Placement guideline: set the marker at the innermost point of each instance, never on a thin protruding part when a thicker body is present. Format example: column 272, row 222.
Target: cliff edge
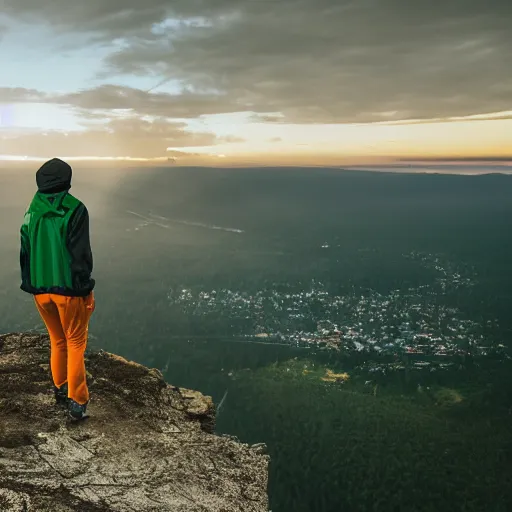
column 147, row 445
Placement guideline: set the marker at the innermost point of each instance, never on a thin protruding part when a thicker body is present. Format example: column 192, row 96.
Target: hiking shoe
column 61, row 394
column 76, row 410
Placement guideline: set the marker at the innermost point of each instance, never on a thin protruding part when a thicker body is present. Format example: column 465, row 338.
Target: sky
column 257, row 82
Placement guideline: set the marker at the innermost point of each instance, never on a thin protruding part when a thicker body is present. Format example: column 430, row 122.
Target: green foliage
column 339, row 447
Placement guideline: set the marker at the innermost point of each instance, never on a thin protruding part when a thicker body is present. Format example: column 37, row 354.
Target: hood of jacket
column 43, row 203
column 54, row 176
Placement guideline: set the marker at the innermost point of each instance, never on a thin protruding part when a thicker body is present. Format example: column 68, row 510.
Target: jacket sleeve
column 79, row 244
column 24, row 255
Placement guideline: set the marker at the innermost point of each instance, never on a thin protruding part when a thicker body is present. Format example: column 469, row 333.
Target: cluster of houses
column 415, row 320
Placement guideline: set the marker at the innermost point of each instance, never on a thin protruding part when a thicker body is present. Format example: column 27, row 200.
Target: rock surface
column 146, row 446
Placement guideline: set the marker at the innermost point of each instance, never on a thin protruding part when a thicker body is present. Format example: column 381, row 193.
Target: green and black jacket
column 56, row 254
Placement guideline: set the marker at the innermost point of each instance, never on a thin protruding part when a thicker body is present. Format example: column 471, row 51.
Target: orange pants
column 67, row 322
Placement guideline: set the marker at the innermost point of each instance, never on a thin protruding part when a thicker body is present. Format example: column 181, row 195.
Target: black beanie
column 54, row 176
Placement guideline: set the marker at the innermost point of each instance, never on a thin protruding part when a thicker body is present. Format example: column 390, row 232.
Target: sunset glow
column 169, row 93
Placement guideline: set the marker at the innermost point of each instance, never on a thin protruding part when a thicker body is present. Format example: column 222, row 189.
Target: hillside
column 147, row 445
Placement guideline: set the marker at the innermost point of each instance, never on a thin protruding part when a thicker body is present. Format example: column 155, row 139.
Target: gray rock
column 259, row 448
column 146, row 446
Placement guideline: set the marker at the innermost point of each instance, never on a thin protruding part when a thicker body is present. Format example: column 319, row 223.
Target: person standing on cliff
column 56, row 267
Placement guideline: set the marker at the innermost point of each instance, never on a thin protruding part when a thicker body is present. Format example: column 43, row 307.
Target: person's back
column 56, row 266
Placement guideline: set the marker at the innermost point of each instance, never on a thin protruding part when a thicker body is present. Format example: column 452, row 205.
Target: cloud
column 129, row 137
column 275, row 139
column 185, row 105
column 495, row 116
column 231, row 139
column 21, row 95
column 462, row 159
column 183, row 154
column 314, row 61
column 110, row 101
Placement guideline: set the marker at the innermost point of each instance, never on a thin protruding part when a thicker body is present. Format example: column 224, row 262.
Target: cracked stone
column 151, row 449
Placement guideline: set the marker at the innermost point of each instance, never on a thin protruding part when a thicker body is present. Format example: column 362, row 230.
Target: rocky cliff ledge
column 147, row 446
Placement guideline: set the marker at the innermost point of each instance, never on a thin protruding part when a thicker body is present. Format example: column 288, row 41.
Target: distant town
column 414, row 321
